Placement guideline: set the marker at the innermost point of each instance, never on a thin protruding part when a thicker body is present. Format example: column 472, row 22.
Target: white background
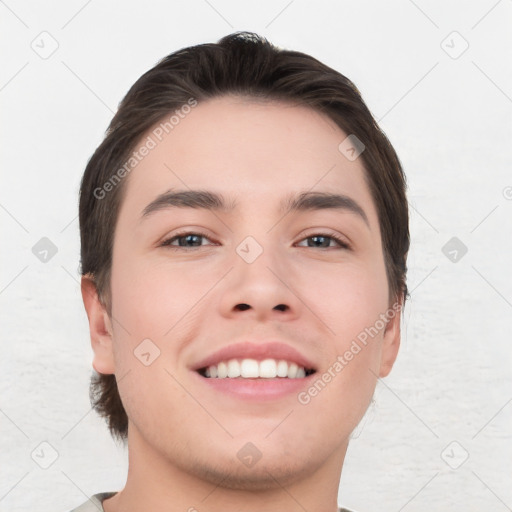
column 450, row 122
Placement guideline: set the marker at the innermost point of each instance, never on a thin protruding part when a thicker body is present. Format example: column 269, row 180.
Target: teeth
column 282, row 369
column 268, row 368
column 252, row 369
column 292, row 370
column 233, row 369
column 222, row 370
column 249, row 368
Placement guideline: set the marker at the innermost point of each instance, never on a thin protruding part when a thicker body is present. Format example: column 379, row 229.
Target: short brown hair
column 243, row 64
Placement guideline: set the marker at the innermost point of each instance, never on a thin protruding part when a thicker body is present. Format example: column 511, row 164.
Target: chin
column 263, row 476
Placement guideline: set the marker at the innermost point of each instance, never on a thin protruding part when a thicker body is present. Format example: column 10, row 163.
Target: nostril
column 243, row 307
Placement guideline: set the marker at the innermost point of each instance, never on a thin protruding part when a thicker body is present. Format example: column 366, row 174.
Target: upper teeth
column 250, row 369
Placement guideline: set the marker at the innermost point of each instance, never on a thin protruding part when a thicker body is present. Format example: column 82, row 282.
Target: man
column 244, row 230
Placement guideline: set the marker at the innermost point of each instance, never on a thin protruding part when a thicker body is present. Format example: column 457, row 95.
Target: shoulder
column 94, row 503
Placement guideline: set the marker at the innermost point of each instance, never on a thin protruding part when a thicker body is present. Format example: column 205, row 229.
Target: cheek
column 148, row 302
column 159, row 307
column 149, row 298
column 350, row 301
column 348, row 296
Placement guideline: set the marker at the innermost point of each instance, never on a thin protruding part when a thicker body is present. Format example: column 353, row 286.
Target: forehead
column 254, row 153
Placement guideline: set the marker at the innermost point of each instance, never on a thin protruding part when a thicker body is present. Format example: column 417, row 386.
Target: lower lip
column 257, row 389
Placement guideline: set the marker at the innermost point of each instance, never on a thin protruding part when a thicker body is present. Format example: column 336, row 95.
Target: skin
column 183, row 436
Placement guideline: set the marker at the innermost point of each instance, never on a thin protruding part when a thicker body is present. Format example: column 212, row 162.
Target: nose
column 262, row 288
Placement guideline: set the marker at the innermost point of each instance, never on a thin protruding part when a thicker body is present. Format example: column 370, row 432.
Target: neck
column 155, row 483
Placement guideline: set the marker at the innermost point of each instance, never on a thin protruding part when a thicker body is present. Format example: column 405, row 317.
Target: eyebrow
column 207, row 200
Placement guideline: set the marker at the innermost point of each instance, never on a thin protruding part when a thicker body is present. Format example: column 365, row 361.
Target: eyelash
column 167, row 242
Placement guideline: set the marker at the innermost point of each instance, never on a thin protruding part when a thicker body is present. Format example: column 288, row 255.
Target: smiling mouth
column 254, row 369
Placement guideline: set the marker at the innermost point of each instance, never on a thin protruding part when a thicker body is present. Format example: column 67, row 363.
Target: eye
column 322, row 241
column 192, row 240
column 186, row 240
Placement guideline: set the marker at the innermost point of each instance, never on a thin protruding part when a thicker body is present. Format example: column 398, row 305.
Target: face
column 258, row 279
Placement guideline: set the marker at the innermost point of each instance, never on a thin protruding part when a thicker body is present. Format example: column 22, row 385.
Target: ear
column 100, row 328
column 391, row 341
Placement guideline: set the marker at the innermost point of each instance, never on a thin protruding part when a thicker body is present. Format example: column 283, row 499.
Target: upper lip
column 259, row 351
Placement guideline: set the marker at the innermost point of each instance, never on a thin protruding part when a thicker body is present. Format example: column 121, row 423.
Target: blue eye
column 184, row 239
column 193, row 240
column 320, row 239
